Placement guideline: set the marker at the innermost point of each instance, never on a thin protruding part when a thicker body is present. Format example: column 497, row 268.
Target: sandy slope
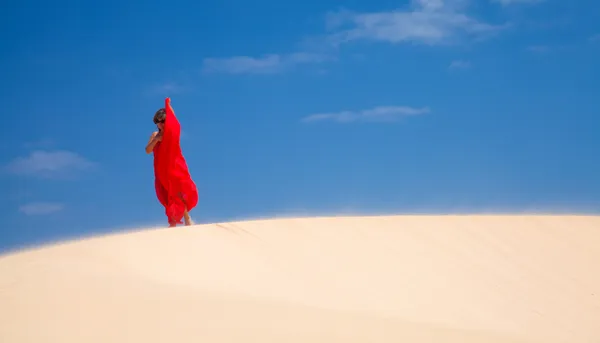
column 378, row 279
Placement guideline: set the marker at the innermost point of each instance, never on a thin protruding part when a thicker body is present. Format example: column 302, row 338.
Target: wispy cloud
column 49, row 164
column 459, row 64
column 266, row 64
column 377, row 114
column 538, row 48
column 431, row 22
column 595, row 38
column 40, row 208
column 166, row 89
column 516, row 2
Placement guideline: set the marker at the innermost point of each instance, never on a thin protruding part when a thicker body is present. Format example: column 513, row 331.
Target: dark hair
column 159, row 116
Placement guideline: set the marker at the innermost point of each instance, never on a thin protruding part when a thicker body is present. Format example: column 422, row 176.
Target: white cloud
column 167, row 88
column 538, row 48
column 515, row 2
column 41, row 208
column 377, row 114
column 460, row 64
column 266, row 64
column 431, row 22
column 49, row 164
column 164, row 89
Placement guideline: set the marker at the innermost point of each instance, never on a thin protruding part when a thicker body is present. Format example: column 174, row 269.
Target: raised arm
column 170, row 140
column 172, row 127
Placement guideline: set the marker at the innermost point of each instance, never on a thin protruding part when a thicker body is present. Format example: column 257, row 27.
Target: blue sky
column 297, row 108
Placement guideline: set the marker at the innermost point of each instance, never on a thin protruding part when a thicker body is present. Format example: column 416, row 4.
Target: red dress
column 175, row 188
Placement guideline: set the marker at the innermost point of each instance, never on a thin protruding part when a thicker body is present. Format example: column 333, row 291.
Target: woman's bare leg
column 186, row 216
column 187, row 219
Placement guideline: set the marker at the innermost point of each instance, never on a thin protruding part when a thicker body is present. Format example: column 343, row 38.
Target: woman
column 175, row 189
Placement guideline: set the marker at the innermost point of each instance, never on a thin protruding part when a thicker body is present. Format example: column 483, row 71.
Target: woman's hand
column 154, row 138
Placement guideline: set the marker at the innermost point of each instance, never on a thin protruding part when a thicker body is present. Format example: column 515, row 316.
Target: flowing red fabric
column 175, row 188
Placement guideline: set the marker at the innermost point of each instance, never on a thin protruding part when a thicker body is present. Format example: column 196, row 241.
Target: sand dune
column 347, row 279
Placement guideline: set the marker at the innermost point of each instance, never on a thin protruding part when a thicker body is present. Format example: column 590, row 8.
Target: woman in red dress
column 175, row 189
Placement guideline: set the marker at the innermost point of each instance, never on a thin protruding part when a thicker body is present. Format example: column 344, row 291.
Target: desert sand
column 447, row 278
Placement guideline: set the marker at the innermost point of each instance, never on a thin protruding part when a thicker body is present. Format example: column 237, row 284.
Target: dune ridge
column 421, row 278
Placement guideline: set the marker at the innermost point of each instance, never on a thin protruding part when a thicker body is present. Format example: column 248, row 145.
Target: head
column 159, row 118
